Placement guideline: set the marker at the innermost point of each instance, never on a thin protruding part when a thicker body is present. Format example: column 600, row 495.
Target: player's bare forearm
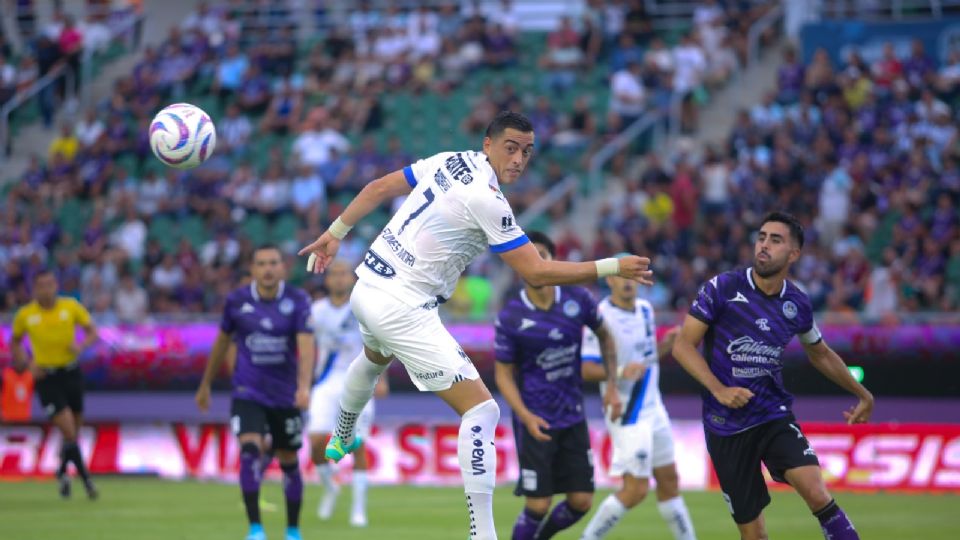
column 375, row 194
column 608, row 351
column 90, row 337
column 307, row 353
column 539, row 272
column 687, row 355
column 20, row 360
column 665, row 345
column 505, row 376
column 217, row 354
column 593, row 371
column 834, row 368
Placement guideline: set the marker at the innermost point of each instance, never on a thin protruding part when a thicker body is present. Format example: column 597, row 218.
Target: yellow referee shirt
column 51, row 331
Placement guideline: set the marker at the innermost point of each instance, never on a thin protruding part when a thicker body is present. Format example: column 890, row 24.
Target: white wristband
column 620, row 372
column 338, row 229
column 607, row 267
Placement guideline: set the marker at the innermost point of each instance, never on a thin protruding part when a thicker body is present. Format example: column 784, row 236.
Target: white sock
column 675, row 513
column 606, row 518
column 325, row 472
column 478, row 466
column 358, row 387
column 360, row 492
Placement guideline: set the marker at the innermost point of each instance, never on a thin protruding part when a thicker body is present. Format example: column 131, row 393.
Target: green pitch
column 146, row 509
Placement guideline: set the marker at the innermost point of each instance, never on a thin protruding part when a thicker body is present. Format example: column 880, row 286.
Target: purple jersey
column 545, row 347
column 748, row 333
column 265, row 332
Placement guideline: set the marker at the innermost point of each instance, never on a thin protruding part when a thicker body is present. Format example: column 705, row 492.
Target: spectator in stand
column 318, row 139
column 627, row 95
column 8, row 80
column 563, row 58
column 130, row 303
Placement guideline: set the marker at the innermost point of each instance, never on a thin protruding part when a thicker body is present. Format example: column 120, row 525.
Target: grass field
column 147, row 509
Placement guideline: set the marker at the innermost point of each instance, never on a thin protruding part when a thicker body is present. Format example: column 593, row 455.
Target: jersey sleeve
column 504, row 344
column 419, row 169
column 80, row 313
column 592, row 318
column 19, row 323
column 707, row 305
column 590, row 348
column 302, row 313
column 493, row 215
column 227, row 323
column 807, row 331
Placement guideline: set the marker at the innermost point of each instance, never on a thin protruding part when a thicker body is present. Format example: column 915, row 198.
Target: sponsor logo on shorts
column 429, row 376
column 528, row 479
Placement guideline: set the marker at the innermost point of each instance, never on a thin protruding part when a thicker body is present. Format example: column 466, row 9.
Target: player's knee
column 287, row 457
column 668, row 483
column 633, row 493
column 581, row 502
column 249, row 448
column 538, row 505
column 486, row 412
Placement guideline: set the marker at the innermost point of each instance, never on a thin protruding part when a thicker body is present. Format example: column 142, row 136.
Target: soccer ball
column 182, row 136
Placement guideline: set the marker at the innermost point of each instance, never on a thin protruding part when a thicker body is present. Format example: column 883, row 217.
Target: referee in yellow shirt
column 51, row 322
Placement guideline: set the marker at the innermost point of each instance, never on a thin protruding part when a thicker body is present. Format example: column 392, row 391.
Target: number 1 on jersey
column 430, row 197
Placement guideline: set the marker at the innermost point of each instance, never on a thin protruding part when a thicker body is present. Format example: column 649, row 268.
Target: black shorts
column 61, row 389
column 779, row 444
column 564, row 464
column 284, row 424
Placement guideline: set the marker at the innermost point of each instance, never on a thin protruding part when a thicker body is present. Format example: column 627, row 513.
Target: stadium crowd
column 859, row 151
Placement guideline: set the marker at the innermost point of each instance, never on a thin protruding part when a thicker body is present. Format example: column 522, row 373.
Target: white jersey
column 338, row 338
column 456, row 210
column 635, row 333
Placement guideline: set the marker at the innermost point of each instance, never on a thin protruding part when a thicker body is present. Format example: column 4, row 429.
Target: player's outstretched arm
column 687, row 355
column 665, row 345
column 833, row 367
column 539, row 272
column 217, row 353
column 324, row 249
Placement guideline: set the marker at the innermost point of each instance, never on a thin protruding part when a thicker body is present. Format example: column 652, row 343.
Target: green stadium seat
column 255, row 228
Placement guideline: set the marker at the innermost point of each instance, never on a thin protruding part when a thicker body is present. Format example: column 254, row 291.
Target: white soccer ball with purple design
column 182, row 136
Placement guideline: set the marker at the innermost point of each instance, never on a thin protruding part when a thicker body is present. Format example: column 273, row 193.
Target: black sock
column 64, row 459
column 562, row 516
column 251, row 501
column 73, row 454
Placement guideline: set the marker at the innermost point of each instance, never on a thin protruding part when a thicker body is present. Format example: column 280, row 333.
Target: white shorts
column 414, row 335
column 639, row 448
column 325, row 406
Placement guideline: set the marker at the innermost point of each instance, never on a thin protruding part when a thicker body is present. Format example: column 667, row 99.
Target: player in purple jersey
column 538, row 372
column 269, row 324
column 745, row 318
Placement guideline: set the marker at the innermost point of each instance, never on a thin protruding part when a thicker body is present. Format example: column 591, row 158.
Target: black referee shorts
column 779, row 444
column 564, row 464
column 61, row 388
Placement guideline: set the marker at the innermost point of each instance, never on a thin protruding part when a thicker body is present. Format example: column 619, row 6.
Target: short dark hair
column 508, row 120
column 264, row 247
column 792, row 223
column 44, row 272
column 537, row 237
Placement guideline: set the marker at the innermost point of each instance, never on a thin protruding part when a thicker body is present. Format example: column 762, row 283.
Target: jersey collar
column 529, row 304
column 753, row 286
column 256, row 295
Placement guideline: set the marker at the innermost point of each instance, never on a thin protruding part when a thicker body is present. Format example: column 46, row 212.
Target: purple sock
column 527, row 524
column 292, row 491
column 250, row 480
column 835, row 524
column 562, row 517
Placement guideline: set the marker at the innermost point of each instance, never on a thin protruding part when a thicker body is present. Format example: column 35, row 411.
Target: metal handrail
column 18, row 99
column 649, row 120
column 757, row 29
column 127, row 26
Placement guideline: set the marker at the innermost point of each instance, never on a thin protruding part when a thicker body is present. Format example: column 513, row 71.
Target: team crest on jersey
column 571, row 308
column 286, row 306
column 789, row 309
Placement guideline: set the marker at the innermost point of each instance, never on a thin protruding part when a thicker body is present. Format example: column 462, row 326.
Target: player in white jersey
column 642, row 440
column 454, row 212
column 338, row 343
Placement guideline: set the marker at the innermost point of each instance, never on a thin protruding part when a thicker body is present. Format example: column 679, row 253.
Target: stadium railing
column 20, row 98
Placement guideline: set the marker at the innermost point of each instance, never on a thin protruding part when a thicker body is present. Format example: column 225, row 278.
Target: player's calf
column 478, row 465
